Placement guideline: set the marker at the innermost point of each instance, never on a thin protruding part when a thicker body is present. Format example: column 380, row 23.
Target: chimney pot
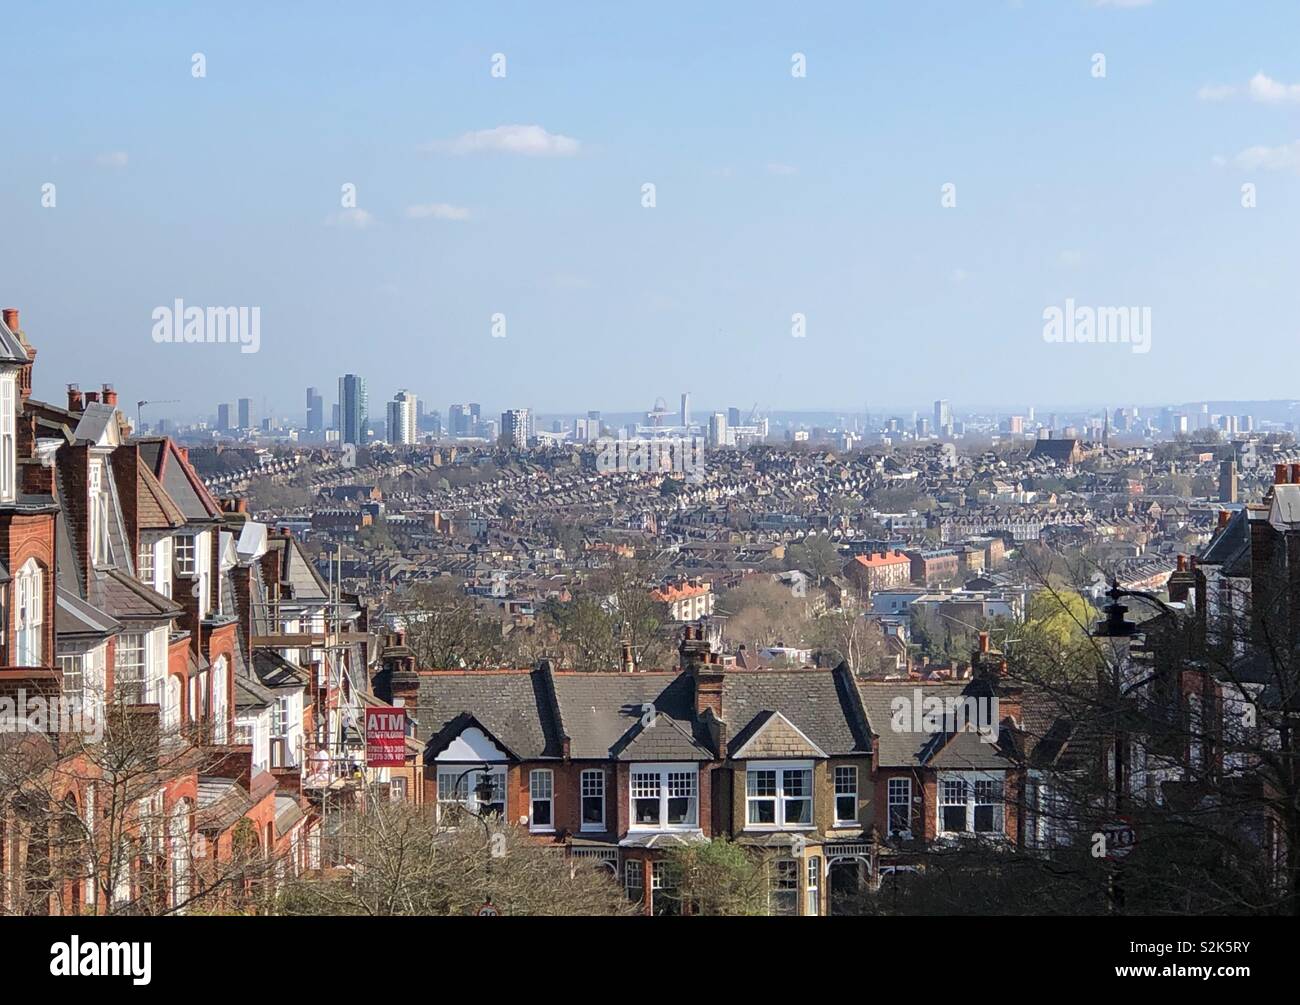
column 1225, row 516
column 109, row 395
column 1280, row 474
column 984, row 642
column 75, row 402
column 1295, row 474
column 11, row 318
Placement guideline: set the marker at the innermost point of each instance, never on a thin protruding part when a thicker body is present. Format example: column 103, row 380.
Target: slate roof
column 602, row 712
column 179, row 481
column 274, row 671
column 122, row 596
column 824, row 705
column 514, row 706
column 73, row 616
column 912, row 748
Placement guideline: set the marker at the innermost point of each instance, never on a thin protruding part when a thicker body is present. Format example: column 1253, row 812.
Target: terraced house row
column 204, row 648
column 812, row 768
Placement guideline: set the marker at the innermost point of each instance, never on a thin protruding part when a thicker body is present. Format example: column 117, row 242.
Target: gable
column 472, row 744
column 778, row 739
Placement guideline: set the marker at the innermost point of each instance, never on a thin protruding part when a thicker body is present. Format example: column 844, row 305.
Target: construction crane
column 139, row 410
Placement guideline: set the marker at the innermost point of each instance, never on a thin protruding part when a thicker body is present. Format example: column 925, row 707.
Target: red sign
column 489, row 910
column 385, row 737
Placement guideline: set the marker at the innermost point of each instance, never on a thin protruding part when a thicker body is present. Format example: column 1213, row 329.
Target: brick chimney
column 1225, row 517
column 110, row 395
column 708, row 678
column 1182, row 584
column 10, row 315
column 76, row 403
column 629, row 661
column 1295, row 474
column 1280, row 474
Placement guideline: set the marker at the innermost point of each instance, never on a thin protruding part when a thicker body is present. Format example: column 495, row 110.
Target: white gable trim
column 472, row 745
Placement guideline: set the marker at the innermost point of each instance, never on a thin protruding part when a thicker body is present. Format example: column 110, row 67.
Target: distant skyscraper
column 718, row 430
column 403, row 419
column 458, row 420
column 315, row 411
column 1228, row 481
column 733, row 417
column 353, row 410
column 514, row 427
column 245, row 413
column 942, row 415
column 223, row 417
column 433, row 422
column 686, row 408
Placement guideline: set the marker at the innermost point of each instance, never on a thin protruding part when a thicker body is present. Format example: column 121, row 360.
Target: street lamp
column 484, row 790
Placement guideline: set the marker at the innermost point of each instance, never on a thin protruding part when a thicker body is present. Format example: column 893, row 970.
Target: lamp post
column 483, row 792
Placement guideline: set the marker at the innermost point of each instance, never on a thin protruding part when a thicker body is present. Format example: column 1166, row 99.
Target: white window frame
column 541, row 791
column 779, row 798
column 668, row 777
column 846, row 786
column 968, row 798
column 591, row 786
column 138, row 664
column 185, row 550
column 146, row 566
column 898, row 793
column 29, row 613
column 813, row 887
column 467, row 796
column 8, row 437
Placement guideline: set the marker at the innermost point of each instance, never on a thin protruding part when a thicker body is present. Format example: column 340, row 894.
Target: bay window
column 185, row 551
column 779, row 795
column 665, row 796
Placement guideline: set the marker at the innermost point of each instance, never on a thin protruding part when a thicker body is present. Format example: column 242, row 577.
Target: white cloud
column 436, row 211
column 1265, row 89
column 112, row 159
column 1281, row 158
column 782, row 169
column 1216, row 92
column 356, row 219
column 530, row 141
column 1260, row 88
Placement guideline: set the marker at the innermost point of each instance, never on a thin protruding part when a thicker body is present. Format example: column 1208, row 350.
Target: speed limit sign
column 488, row 910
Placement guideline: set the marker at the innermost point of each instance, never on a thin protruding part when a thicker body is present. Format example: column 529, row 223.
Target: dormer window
column 8, row 447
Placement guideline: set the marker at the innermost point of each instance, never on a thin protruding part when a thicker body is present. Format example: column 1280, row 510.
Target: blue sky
column 774, row 195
